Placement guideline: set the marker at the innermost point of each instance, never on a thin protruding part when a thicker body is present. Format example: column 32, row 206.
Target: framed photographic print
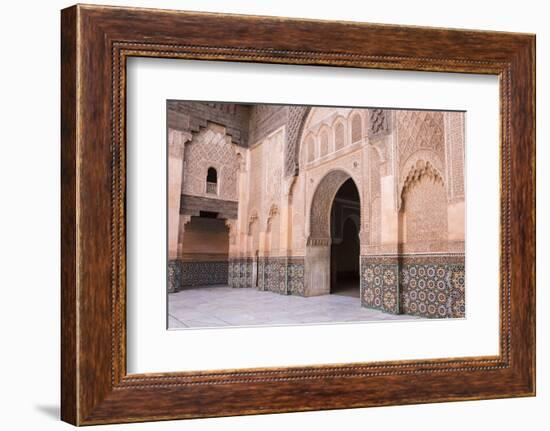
column 258, row 216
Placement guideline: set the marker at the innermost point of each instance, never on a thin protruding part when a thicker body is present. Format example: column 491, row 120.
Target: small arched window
column 324, row 144
column 212, row 181
column 339, row 136
column 310, row 149
column 356, row 126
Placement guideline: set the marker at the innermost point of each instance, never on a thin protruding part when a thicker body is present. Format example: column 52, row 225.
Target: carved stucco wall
column 254, row 233
column 325, row 127
column 379, row 121
column 255, row 180
column 375, row 195
column 455, row 154
column 273, row 231
column 297, row 116
column 380, row 151
column 425, row 210
column 211, row 147
column 298, row 216
column 339, row 136
column 322, row 203
column 356, row 127
column 420, row 130
column 273, row 172
column 421, row 137
column 266, row 177
column 330, row 173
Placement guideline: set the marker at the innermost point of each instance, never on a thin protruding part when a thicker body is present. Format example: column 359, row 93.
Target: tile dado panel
column 424, row 285
column 379, row 283
column 283, row 275
column 275, row 275
column 295, row 279
column 433, row 286
column 240, row 273
column 182, row 275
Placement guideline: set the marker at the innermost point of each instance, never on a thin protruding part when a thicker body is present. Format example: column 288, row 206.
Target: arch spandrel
column 321, row 204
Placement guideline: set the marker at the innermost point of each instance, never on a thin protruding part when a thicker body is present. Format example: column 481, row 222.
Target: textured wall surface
column 425, row 211
column 211, row 148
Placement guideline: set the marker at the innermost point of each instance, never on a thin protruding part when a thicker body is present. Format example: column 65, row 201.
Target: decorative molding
column 193, row 205
column 318, row 242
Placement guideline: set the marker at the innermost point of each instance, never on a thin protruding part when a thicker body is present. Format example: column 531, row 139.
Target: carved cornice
column 318, row 242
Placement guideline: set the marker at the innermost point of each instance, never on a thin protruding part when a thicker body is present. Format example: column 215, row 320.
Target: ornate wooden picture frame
column 96, row 41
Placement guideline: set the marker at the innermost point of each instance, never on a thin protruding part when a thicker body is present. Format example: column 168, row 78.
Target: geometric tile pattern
column 430, row 286
column 433, row 290
column 248, row 273
column 190, row 274
column 457, row 290
column 174, row 275
column 433, row 286
column 379, row 284
column 275, row 275
column 295, row 276
column 240, row 273
column 261, row 273
column 283, row 275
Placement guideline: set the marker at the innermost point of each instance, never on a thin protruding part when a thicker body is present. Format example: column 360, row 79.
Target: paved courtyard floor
column 219, row 306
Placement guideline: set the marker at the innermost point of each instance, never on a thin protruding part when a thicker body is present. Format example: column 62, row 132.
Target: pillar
column 176, row 144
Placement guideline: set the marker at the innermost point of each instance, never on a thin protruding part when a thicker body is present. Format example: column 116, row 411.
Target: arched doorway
column 318, row 274
column 345, row 248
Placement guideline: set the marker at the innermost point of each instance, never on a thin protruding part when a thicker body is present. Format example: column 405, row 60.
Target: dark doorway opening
column 345, row 247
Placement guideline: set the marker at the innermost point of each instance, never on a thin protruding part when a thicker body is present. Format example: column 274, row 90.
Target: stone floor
column 219, row 306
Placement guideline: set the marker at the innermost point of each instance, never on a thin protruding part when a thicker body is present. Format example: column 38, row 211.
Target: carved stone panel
column 296, row 118
column 379, row 122
column 322, row 203
column 420, row 130
column 211, row 148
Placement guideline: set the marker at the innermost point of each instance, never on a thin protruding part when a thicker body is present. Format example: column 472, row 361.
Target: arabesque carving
column 420, row 130
column 421, row 169
column 211, row 148
column 322, row 203
column 378, row 121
